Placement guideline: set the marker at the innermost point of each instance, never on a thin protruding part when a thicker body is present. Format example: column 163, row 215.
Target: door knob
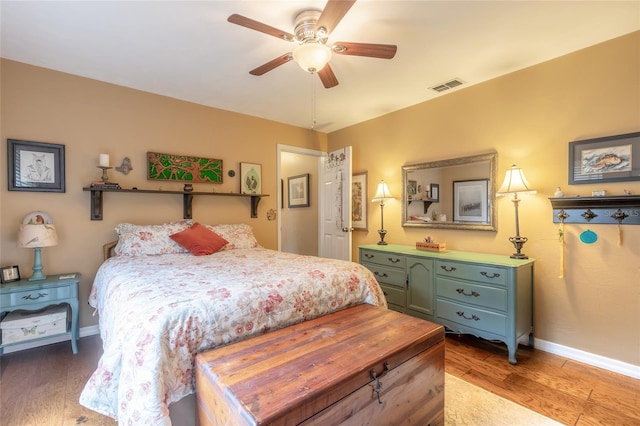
column 345, row 229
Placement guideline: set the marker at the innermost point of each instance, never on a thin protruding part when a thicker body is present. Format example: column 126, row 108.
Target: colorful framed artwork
column 250, row 178
column 9, row 274
column 298, row 193
column 359, row 202
column 608, row 159
column 471, row 200
column 183, row 168
column 35, row 166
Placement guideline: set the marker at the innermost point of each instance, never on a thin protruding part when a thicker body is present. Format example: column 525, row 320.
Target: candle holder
column 105, row 178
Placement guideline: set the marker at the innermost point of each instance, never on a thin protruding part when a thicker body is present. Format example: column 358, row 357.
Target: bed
column 161, row 302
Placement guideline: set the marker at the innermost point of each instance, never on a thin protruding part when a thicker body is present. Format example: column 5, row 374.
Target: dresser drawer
column 385, row 275
column 468, row 316
column 473, row 294
column 394, row 295
column 380, row 258
column 480, row 273
column 24, row 298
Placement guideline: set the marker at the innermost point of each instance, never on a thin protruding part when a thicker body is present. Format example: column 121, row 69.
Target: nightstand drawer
column 472, row 294
column 385, row 275
column 27, row 297
column 468, row 316
column 382, row 258
column 394, row 296
column 481, row 273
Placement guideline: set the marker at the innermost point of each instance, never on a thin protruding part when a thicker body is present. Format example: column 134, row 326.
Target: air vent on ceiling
column 448, row 85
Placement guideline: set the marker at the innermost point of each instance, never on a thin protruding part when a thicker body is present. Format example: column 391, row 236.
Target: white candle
column 104, row 160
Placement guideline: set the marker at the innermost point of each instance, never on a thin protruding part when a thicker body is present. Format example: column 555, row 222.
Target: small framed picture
column 299, row 191
column 435, row 192
column 250, row 178
column 9, row 274
column 359, row 201
column 35, row 166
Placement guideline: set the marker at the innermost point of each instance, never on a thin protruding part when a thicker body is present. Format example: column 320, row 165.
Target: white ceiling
column 187, row 50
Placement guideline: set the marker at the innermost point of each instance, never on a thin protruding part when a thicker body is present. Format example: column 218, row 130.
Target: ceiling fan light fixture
column 312, row 57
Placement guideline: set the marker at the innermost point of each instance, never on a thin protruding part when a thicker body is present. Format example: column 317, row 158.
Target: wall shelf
column 623, row 209
column 187, row 199
column 426, row 202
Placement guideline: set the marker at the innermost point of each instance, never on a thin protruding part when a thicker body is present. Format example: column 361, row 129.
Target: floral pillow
column 238, row 236
column 141, row 240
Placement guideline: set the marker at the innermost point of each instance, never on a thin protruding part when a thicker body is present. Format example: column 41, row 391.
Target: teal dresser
column 486, row 295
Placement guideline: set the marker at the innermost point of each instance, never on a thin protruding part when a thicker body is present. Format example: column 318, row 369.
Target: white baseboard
column 553, row 348
column 589, row 358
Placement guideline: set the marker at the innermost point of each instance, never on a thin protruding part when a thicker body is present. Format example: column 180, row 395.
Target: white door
column 335, row 211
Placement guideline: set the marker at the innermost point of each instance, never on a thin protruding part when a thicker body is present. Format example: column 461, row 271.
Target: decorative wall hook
column 588, row 215
column 125, row 167
column 562, row 215
column 619, row 216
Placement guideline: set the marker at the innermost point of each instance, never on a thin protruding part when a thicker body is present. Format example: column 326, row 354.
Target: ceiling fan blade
column 262, row 69
column 382, row 51
column 327, row 77
column 333, row 13
column 243, row 21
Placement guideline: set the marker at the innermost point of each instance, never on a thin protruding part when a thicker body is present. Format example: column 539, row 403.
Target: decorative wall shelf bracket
column 97, row 195
column 427, row 203
column 622, row 209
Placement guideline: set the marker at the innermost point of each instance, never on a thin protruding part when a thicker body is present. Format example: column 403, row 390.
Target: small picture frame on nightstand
column 9, row 274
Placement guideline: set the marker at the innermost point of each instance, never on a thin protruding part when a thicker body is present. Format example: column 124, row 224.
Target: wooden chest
column 362, row 365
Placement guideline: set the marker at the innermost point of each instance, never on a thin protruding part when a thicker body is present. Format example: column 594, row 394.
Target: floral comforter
column 157, row 312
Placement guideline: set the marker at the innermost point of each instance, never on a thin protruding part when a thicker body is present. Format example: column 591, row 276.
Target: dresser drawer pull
column 378, row 274
column 472, row 317
column 28, row 296
column 473, row 293
column 447, row 269
column 392, row 260
column 486, row 274
column 368, row 256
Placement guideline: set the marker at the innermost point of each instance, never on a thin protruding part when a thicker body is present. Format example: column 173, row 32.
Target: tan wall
column 89, row 118
column 529, row 117
column 300, row 224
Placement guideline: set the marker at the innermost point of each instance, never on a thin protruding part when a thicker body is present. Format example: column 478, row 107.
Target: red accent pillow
column 199, row 240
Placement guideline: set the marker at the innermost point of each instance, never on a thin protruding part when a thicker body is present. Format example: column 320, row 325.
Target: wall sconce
column 382, row 194
column 514, row 183
column 36, row 231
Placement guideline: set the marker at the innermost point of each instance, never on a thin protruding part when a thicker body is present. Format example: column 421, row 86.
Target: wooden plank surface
column 290, row 374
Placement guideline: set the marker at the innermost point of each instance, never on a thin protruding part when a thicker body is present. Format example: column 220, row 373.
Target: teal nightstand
column 34, row 295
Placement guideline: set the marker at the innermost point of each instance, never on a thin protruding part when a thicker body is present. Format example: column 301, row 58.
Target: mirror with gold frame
column 458, row 193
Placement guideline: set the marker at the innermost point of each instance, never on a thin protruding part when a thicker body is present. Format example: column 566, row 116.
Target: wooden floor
column 41, row 386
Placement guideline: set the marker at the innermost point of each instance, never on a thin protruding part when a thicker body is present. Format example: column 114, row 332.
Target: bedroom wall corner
column 91, row 117
column 529, row 117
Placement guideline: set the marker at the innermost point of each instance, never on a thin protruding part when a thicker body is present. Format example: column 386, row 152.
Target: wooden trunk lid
column 289, row 375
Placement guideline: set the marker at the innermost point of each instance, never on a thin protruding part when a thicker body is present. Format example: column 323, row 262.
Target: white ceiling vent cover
column 448, row 85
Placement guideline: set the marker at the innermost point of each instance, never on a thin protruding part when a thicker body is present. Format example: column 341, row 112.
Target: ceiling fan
column 312, row 29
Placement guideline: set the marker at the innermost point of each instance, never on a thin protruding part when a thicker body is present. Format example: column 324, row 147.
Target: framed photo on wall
column 359, row 201
column 35, row 166
column 434, row 192
column 299, row 191
column 608, row 159
column 250, row 178
column 471, row 200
